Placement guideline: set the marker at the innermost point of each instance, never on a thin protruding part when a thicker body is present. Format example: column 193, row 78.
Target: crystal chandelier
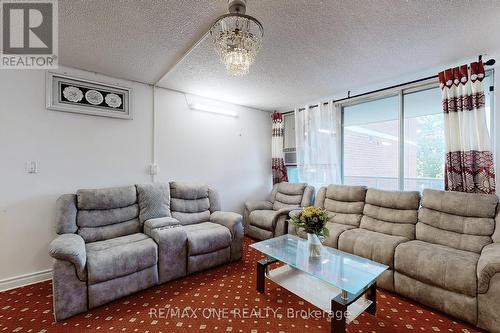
column 237, row 38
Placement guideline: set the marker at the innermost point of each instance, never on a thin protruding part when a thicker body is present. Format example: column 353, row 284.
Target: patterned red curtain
column 469, row 160
column 278, row 163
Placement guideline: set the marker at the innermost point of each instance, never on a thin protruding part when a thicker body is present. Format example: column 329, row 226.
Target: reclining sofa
column 266, row 219
column 116, row 241
column 442, row 251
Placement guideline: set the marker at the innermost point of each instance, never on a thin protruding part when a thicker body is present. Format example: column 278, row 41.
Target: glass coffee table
column 342, row 284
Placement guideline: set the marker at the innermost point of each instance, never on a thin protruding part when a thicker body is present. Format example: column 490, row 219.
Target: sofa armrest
column 161, row 222
column 294, row 213
column 289, row 210
column 487, row 266
column 258, row 205
column 69, row 247
column 286, row 212
column 280, row 220
column 234, row 222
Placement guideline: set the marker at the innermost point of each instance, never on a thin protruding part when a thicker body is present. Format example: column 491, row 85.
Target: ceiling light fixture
column 213, row 109
column 237, row 38
column 200, row 103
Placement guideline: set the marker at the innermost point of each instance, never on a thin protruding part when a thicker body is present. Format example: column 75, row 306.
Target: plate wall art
column 71, row 94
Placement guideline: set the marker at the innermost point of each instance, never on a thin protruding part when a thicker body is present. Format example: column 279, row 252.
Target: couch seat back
column 189, row 203
column 391, row 212
column 287, row 195
column 464, row 221
column 344, row 203
column 107, row 213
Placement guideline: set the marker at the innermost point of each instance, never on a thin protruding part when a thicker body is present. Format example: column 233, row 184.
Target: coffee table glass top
column 342, row 270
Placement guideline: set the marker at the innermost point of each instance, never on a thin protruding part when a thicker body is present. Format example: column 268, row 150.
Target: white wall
column 79, row 151
column 231, row 154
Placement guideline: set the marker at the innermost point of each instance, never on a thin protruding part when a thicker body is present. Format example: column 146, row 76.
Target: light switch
column 32, row 167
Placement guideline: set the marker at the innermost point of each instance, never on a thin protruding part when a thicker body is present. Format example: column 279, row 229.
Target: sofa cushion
column 292, row 188
column 460, row 203
column 190, row 203
column 113, row 258
column 372, row 245
column 154, row 201
column 188, row 191
column 464, row 221
column 346, row 193
column 94, row 234
column 457, row 240
column 207, row 237
column 107, row 213
column 391, row 212
column 438, row 265
column 344, row 203
column 263, row 218
column 288, row 195
column 103, row 245
column 106, row 198
column 103, row 217
column 335, row 230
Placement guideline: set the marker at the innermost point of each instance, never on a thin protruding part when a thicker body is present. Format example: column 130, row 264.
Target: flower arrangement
column 312, row 220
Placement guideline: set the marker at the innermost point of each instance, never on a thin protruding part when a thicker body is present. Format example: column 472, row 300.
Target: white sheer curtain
column 317, row 148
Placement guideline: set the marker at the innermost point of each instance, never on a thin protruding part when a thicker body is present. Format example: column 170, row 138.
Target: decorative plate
column 113, row 100
column 72, row 94
column 94, row 97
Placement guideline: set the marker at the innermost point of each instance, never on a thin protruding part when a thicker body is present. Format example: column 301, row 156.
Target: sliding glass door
column 371, row 143
column 396, row 141
column 424, row 140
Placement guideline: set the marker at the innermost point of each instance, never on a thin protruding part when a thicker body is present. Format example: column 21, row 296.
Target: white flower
column 73, row 94
column 113, row 100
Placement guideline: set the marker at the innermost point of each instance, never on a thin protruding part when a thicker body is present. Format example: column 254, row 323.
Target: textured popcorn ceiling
column 312, row 48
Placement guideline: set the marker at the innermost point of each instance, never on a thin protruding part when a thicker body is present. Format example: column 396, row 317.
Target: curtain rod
column 490, row 62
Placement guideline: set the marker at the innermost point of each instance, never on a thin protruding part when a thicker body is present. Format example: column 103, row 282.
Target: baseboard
column 24, row 280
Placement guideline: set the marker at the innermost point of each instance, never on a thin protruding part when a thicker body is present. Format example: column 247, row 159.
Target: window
column 371, row 144
column 424, row 140
column 293, row 174
column 396, row 142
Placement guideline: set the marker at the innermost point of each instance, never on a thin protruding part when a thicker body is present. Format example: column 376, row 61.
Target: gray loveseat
column 266, row 219
column 116, row 241
column 443, row 252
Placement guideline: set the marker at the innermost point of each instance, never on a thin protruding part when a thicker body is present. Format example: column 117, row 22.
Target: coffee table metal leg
column 372, row 296
column 338, row 324
column 261, row 275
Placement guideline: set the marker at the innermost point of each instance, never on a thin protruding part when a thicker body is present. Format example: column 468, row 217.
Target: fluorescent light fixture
column 200, row 103
column 213, row 109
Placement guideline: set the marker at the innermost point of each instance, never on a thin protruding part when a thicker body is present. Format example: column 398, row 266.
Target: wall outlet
column 153, row 169
column 32, row 167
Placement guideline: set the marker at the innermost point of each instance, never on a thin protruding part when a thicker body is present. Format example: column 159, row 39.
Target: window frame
column 401, row 92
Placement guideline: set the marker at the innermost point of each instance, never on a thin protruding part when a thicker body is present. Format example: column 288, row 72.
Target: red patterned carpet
column 220, row 300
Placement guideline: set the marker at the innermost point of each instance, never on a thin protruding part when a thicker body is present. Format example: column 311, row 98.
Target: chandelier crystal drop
column 237, row 38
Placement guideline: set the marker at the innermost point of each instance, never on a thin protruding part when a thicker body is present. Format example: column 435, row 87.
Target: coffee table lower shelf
column 319, row 293
column 314, row 291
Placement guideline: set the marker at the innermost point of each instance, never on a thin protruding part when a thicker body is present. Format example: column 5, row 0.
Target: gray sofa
column 442, row 251
column 266, row 219
column 116, row 241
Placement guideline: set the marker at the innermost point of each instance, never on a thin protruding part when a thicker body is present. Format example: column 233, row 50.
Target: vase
column 315, row 245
